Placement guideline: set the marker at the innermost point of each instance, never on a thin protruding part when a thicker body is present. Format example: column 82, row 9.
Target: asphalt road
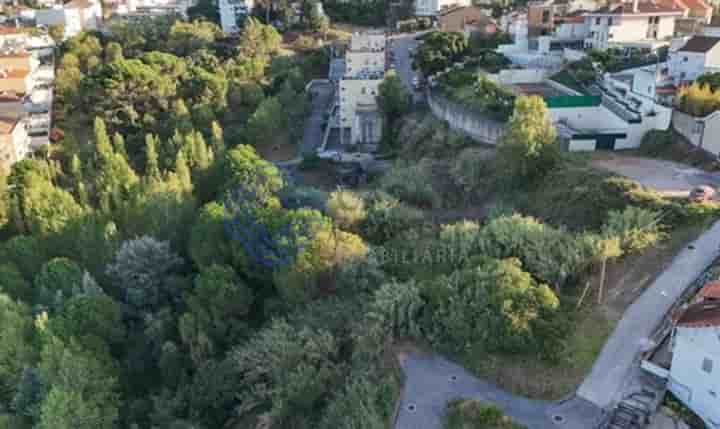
column 401, row 46
column 431, row 381
column 313, row 132
column 615, row 366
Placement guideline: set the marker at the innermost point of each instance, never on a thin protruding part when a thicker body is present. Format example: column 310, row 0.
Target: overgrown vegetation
column 473, row 414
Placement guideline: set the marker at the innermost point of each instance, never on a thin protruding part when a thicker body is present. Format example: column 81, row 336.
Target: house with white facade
column 699, row 55
column 694, row 376
column 75, row 16
column 433, row 7
column 638, row 24
column 232, row 13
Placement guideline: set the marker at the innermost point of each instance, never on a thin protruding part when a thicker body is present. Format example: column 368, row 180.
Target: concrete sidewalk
column 610, row 373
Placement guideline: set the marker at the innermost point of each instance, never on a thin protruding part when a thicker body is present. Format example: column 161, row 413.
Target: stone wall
column 464, row 120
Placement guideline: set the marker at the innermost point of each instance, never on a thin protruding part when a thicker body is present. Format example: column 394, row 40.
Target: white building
column 699, row 55
column 640, row 24
column 433, row 7
column 358, row 115
column 14, row 141
column 232, row 13
column 75, row 17
column 695, row 369
column 359, row 110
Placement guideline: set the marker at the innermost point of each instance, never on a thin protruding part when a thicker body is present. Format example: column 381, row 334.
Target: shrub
column 554, row 255
column 473, row 414
column 655, row 142
column 346, row 208
column 636, row 228
column 470, row 169
column 412, row 184
column 387, row 217
column 296, row 197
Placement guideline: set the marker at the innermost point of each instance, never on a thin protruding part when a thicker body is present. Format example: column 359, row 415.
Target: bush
column 636, row 228
column 473, row 414
column 412, row 184
column 655, row 142
column 346, row 209
column 470, row 169
column 296, row 197
column 553, row 255
column 387, row 217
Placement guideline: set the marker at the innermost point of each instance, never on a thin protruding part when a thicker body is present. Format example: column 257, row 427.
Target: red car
column 702, row 194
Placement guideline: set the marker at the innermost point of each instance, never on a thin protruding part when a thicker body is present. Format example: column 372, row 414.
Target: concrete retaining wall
column 699, row 131
column 465, row 121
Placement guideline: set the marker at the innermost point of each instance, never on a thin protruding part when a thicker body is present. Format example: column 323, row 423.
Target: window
column 698, row 127
column 597, row 21
column 546, row 16
column 610, row 21
column 363, row 91
column 682, row 75
column 707, row 365
column 650, row 20
column 685, row 59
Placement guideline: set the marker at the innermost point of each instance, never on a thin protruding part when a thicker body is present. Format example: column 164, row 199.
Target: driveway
column 401, row 46
column 313, row 132
column 667, row 177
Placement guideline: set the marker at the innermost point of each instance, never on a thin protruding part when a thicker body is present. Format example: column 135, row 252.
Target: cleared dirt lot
column 667, row 177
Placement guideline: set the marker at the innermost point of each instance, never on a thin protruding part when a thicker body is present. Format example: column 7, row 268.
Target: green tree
column 394, row 102
column 16, row 348
column 438, row 51
column 58, row 279
column 13, row 284
column 113, row 52
column 258, row 40
column 93, row 320
column 188, row 37
column 152, row 169
column 346, row 209
column 83, row 388
column 140, row 269
column 57, row 33
column 208, row 243
column 263, row 125
column 217, row 315
column 244, row 169
column 528, row 149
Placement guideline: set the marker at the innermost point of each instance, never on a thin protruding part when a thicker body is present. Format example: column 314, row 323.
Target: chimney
column 635, row 6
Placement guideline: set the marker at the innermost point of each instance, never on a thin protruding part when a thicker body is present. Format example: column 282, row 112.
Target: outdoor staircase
column 634, row 411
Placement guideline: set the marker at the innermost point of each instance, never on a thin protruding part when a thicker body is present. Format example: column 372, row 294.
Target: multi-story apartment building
column 232, row 13
column 700, row 54
column 358, row 114
column 637, row 24
column 16, row 72
column 74, row 17
column 433, row 7
column 14, row 142
column 359, row 109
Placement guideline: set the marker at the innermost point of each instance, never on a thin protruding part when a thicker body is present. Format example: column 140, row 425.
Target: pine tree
column 102, row 141
column 202, row 157
column 119, row 145
column 218, row 140
column 152, row 170
column 183, row 172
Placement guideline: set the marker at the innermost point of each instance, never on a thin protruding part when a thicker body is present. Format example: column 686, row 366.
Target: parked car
column 701, row 194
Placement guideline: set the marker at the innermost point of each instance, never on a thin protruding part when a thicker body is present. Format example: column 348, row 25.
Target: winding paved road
column 428, row 383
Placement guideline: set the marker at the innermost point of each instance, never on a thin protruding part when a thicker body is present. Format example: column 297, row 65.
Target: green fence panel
column 566, row 101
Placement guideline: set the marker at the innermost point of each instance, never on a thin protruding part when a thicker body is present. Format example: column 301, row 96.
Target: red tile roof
column 711, row 290
column 700, row 315
column 695, row 5
column 644, row 7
